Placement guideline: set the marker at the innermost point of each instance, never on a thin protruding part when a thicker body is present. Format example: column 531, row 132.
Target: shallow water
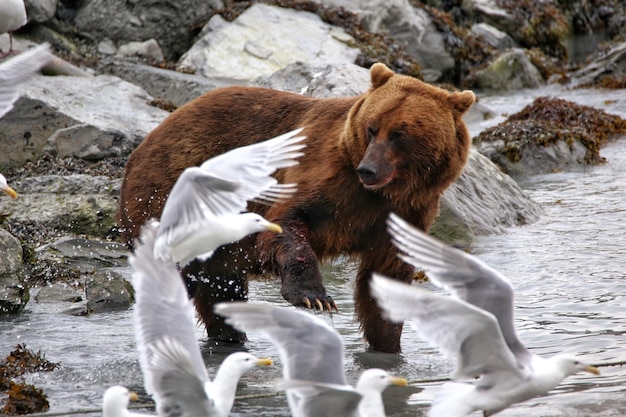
column 568, row 270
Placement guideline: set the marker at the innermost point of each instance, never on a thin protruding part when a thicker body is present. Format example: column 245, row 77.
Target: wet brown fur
column 419, row 139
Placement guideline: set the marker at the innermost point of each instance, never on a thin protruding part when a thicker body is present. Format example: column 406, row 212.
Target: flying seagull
column 475, row 326
column 170, row 359
column 312, row 356
column 204, row 209
column 17, row 70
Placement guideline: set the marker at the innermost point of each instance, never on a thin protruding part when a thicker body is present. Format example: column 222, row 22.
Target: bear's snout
column 373, row 178
column 367, row 173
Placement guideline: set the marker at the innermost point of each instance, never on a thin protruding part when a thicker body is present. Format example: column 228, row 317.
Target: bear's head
column 404, row 134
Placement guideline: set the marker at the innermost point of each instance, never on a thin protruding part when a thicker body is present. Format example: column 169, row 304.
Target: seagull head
column 115, row 401
column 378, row 379
column 571, row 365
column 256, row 223
column 5, row 187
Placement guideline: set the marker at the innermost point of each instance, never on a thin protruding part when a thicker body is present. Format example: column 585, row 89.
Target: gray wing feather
column 309, row 348
column 463, row 275
column 315, row 399
column 162, row 307
column 16, row 71
column 460, row 330
column 180, row 392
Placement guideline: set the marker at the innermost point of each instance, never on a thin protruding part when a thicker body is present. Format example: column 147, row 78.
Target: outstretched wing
column 463, row 275
column 460, row 330
column 309, row 348
column 16, row 71
column 162, row 308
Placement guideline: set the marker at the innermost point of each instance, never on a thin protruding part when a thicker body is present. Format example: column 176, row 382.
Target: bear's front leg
column 289, row 255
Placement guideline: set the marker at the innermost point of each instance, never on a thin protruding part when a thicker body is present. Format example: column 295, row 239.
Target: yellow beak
column 592, row 370
column 264, row 362
column 273, row 227
column 133, row 396
column 10, row 191
column 401, row 382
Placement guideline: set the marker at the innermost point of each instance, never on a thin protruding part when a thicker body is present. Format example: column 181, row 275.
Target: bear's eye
column 371, row 134
column 397, row 136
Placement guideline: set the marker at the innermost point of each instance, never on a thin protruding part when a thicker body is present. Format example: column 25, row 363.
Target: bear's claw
column 317, row 304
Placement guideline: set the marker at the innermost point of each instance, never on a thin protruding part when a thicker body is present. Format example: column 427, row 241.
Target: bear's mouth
column 374, row 183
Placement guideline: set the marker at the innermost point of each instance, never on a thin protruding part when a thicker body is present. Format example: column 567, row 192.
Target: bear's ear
column 462, row 101
column 380, row 74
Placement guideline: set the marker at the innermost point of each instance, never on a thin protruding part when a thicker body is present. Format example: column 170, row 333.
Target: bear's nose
column 366, row 172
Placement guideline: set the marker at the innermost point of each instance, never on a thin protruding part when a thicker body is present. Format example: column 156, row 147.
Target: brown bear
column 396, row 147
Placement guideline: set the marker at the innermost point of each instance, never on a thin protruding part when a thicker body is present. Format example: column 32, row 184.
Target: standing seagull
column 475, row 326
column 203, row 210
column 170, row 359
column 17, row 70
column 12, row 17
column 312, row 356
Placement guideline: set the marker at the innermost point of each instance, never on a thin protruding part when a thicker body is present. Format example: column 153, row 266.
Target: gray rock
column 265, row 39
column 318, row 80
column 85, row 254
column 149, row 49
column 77, row 204
column 530, row 157
column 488, row 11
column 410, row 26
column 494, row 37
column 107, row 47
column 482, row 201
column 14, row 293
column 612, row 63
column 107, row 290
column 40, row 10
column 58, row 292
column 510, row 71
column 175, row 87
column 84, row 117
column 167, row 21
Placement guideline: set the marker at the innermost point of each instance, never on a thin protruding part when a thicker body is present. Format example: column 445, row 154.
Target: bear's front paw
column 309, row 298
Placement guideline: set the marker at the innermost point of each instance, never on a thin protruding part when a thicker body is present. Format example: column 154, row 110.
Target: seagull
column 312, row 355
column 17, row 70
column 170, row 359
column 12, row 17
column 203, row 210
column 475, row 326
column 4, row 187
column 115, row 402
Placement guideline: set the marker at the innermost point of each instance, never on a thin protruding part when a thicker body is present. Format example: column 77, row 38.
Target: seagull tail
column 451, row 400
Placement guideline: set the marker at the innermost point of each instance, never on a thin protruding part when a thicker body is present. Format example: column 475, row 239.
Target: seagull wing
column 309, row 348
column 162, row 310
column 463, row 275
column 223, row 185
column 252, row 166
column 16, row 71
column 181, row 393
column 460, row 330
column 316, row 399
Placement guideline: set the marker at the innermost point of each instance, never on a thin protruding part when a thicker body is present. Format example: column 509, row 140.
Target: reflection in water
column 568, row 270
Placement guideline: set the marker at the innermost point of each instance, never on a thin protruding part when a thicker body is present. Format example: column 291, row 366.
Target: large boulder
column 410, row 26
column 263, row 40
column 510, row 71
column 82, row 117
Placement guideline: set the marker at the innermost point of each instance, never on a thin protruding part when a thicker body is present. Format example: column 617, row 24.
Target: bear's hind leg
column 212, row 289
